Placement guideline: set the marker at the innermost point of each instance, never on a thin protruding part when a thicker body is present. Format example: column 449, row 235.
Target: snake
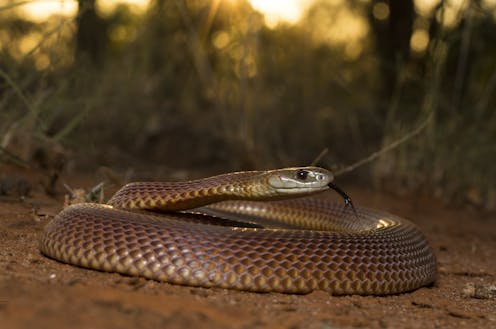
column 259, row 231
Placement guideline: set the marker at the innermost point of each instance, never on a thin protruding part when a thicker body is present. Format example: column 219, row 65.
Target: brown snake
column 318, row 245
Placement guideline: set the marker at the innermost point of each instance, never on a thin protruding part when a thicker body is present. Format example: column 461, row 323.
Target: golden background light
column 419, row 40
column 343, row 26
column 381, row 11
column 275, row 11
column 40, row 10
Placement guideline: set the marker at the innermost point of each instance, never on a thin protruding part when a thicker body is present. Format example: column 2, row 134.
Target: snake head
column 299, row 180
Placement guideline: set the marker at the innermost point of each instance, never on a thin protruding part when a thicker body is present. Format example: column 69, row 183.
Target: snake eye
column 302, row 174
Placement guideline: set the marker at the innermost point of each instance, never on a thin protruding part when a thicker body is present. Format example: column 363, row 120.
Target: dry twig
column 385, row 149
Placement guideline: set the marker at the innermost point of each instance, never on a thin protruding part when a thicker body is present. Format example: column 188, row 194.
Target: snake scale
column 283, row 240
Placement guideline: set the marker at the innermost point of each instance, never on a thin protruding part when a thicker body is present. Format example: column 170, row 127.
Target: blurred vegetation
column 206, row 85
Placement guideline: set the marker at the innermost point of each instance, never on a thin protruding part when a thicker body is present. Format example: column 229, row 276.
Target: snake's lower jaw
column 302, row 191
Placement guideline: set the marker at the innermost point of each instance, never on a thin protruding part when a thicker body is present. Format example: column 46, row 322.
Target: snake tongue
column 346, row 197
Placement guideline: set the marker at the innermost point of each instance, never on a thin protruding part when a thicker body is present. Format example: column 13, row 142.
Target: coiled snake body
column 317, row 245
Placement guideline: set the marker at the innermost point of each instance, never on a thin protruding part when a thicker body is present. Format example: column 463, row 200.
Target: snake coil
column 307, row 243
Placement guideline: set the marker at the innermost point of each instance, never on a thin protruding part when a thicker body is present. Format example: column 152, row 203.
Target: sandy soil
column 36, row 292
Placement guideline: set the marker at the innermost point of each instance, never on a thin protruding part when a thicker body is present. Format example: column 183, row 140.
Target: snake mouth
column 301, row 190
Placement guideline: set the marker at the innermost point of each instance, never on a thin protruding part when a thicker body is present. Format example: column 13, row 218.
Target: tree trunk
column 91, row 36
column 392, row 39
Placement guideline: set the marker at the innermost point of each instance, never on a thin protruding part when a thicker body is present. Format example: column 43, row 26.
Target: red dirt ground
column 36, row 292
